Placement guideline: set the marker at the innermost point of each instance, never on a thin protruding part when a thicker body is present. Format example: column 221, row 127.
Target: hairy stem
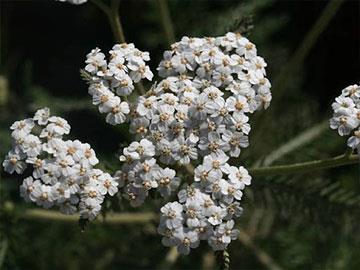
column 304, row 167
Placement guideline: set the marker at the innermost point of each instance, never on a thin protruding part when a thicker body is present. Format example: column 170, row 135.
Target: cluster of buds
column 346, row 118
column 61, row 172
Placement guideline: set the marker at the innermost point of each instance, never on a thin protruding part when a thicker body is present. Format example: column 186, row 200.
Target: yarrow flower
column 346, row 117
column 112, row 81
column 196, row 115
column 62, row 173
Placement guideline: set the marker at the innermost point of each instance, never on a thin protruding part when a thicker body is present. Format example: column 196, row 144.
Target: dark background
column 43, row 46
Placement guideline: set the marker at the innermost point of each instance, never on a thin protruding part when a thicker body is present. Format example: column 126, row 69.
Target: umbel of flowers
column 61, row 173
column 346, row 118
column 195, row 117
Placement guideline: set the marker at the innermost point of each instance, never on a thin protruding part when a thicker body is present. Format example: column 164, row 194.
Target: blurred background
column 308, row 221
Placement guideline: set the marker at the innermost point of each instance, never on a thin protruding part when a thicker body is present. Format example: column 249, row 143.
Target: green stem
column 305, row 167
column 166, row 21
column 123, row 218
column 112, row 13
column 115, row 22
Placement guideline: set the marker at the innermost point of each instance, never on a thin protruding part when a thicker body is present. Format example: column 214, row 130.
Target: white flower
column 90, row 209
column 145, row 106
column 236, row 141
column 206, row 176
column 226, row 231
column 32, row 145
column 352, row 91
column 118, row 113
column 186, row 239
column 117, row 66
column 216, row 214
column 58, row 125
column 354, row 141
column 173, row 213
column 216, row 162
column 43, row 196
column 237, row 104
column 92, row 193
column 64, row 163
column 96, row 62
column 106, row 100
column 343, row 105
column 23, row 127
column 139, row 72
column 108, row 184
column 14, row 162
column 42, row 116
column 51, row 174
column 344, row 123
column 38, row 165
column 167, row 181
column 239, row 174
column 27, row 188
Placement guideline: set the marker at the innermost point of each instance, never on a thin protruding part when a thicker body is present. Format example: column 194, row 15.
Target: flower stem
column 114, row 19
column 166, row 21
column 305, row 167
column 112, row 13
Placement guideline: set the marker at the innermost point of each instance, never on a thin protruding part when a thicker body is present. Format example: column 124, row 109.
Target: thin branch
column 301, row 167
column 112, row 13
column 115, row 22
column 305, row 167
column 123, row 218
column 166, row 21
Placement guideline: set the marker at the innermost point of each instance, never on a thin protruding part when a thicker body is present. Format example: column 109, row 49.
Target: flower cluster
column 113, row 80
column 198, row 112
column 346, row 118
column 61, row 172
column 140, row 173
column 206, row 209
